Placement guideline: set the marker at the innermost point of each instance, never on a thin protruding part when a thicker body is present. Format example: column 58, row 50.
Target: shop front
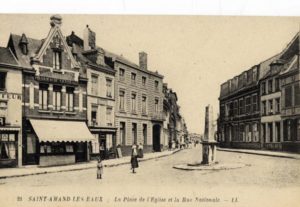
column 9, row 146
column 104, row 143
column 60, row 142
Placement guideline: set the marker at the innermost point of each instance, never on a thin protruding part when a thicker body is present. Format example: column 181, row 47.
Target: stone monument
column 209, row 143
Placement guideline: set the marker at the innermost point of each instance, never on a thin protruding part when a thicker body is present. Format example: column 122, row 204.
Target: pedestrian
column 99, row 168
column 140, row 150
column 134, row 161
column 102, row 151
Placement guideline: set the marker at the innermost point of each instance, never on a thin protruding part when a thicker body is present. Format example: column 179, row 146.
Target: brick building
column 100, row 92
column 10, row 110
column 54, row 99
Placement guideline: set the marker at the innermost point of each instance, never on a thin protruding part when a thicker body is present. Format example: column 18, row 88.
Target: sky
column 196, row 54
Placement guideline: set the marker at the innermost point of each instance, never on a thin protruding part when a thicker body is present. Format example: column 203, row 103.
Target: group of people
column 137, row 151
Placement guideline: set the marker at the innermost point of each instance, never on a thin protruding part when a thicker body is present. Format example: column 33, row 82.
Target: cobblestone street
column 262, row 177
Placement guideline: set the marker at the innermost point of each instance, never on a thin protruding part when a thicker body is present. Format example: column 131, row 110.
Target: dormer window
column 56, row 59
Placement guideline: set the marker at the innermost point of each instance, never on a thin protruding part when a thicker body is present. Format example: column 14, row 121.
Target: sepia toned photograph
column 149, row 110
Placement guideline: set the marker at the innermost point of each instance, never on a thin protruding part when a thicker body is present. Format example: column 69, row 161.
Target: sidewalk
column 262, row 152
column 35, row 170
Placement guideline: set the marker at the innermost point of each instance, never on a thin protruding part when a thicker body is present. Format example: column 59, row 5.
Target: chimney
column 89, row 39
column 143, row 60
column 55, row 20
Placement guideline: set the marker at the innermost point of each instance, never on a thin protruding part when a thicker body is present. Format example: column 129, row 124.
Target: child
column 99, row 169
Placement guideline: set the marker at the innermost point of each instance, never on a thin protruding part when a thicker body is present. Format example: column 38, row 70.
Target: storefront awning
column 61, row 131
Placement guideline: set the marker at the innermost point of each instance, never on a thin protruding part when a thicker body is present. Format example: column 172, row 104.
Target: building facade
column 10, row 110
column 100, row 93
column 139, row 104
column 54, row 102
column 239, row 111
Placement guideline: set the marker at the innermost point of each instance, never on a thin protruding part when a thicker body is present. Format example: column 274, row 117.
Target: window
column 288, row 96
column 122, row 133
column 69, row 148
column 7, row 146
column 144, row 81
column 241, row 106
column 277, row 131
column 70, row 99
column 156, row 85
column 297, row 94
column 133, row 78
column 298, row 130
column 270, row 132
column 156, row 105
column 277, row 86
column 109, row 88
column 263, row 108
column 43, row 96
column 134, row 133
column 122, row 74
column 277, row 105
column 242, row 133
column 56, row 98
column 94, row 115
column 287, row 127
column 144, row 105
column 263, row 88
column 57, row 60
column 94, row 86
column 270, row 86
column 235, row 108
column 2, row 81
column 122, row 100
column 254, row 103
column 271, row 106
column 145, row 133
column 133, row 102
column 248, row 105
column 109, row 116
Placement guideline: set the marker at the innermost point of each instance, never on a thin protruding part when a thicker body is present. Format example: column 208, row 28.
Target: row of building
column 260, row 108
column 64, row 99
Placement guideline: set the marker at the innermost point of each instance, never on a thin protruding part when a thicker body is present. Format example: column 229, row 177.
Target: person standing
column 134, row 161
column 99, row 168
column 140, row 150
column 102, row 151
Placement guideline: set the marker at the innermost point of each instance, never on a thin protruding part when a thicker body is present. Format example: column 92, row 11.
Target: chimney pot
column 143, row 60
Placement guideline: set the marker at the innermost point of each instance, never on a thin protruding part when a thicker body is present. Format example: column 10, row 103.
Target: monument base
column 209, row 155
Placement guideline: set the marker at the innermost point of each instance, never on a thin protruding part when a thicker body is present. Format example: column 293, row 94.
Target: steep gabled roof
column 7, row 57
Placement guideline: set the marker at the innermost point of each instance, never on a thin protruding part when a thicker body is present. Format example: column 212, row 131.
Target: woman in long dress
column 134, row 161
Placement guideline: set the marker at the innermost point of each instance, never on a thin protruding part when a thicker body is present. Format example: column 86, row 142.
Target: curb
column 258, row 153
column 84, row 168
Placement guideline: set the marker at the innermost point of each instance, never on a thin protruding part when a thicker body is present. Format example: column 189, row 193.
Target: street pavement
column 262, row 181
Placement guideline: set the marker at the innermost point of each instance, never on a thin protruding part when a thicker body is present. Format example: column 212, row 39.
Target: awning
column 61, row 131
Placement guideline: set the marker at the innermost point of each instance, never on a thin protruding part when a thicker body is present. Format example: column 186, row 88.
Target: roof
column 7, row 57
column 34, row 46
column 61, row 131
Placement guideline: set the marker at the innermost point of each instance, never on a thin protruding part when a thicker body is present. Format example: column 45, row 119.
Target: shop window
column 70, row 99
column 43, row 96
column 122, row 133
column 57, row 148
column 31, row 144
column 145, row 133
column 288, row 96
column 2, row 81
column 95, row 144
column 69, row 148
column 45, row 148
column 7, row 146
